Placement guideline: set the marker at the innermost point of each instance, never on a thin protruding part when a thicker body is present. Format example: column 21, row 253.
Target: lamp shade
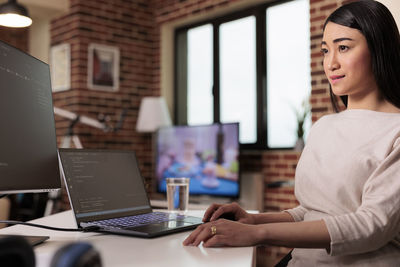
column 14, row 15
column 153, row 114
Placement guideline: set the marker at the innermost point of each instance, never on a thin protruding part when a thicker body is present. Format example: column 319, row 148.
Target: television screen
column 207, row 154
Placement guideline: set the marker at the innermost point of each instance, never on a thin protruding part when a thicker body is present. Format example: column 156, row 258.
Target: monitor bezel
column 46, row 190
column 57, row 186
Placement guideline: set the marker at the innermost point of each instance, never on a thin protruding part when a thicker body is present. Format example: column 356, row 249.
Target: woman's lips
column 336, row 78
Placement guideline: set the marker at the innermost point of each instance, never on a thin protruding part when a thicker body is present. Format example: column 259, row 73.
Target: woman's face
column 347, row 61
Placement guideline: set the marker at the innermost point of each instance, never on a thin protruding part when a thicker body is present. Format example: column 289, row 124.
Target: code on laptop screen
column 103, row 182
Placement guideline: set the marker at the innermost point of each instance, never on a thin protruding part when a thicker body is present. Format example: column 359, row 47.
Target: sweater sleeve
column 377, row 221
column 297, row 213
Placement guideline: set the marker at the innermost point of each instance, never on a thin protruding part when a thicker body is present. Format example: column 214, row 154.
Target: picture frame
column 60, row 64
column 103, row 67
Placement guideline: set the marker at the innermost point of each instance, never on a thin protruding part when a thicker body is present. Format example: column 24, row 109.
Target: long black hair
column 379, row 28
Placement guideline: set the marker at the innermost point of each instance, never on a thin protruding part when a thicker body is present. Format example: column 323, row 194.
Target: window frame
column 180, row 81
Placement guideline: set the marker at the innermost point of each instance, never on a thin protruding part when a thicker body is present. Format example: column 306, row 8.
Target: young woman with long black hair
column 348, row 177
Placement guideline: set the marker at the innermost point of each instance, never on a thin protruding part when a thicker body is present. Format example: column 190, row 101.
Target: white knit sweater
column 349, row 176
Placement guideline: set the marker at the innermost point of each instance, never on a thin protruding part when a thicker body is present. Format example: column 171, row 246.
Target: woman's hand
column 223, row 233
column 215, row 211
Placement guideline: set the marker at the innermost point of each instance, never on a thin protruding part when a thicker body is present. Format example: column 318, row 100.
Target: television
column 207, row 154
column 28, row 145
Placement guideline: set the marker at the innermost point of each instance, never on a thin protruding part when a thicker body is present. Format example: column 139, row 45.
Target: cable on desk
column 86, row 229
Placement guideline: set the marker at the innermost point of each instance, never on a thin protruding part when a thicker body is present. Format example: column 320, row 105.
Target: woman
column 348, row 176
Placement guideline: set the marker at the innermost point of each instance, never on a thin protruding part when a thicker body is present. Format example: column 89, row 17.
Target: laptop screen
column 103, row 183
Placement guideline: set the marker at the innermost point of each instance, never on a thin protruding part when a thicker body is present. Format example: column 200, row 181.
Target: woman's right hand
column 215, row 211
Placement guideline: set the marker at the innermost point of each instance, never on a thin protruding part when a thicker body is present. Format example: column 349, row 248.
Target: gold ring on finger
column 213, row 230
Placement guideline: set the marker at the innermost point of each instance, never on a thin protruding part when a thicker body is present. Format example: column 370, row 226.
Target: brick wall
column 128, row 25
column 277, row 167
column 15, row 37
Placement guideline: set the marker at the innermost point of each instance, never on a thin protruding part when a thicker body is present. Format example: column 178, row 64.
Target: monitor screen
column 207, row 154
column 28, row 147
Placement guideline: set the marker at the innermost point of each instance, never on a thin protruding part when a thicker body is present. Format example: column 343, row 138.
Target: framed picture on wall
column 60, row 63
column 103, row 67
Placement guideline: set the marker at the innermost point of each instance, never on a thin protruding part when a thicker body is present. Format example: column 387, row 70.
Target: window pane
column 238, row 76
column 200, row 75
column 288, row 70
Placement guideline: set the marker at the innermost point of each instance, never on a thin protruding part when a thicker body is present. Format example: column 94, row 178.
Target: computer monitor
column 207, row 154
column 28, row 146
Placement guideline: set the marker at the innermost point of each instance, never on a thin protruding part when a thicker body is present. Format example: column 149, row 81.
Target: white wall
column 39, row 38
column 394, row 7
column 42, row 12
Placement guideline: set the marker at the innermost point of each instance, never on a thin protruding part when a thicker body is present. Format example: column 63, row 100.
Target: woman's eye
column 324, row 51
column 343, row 48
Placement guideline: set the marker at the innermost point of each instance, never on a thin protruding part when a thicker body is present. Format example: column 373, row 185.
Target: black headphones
column 79, row 254
column 15, row 251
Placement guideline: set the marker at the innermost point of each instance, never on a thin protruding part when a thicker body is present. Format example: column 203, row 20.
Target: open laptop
column 107, row 193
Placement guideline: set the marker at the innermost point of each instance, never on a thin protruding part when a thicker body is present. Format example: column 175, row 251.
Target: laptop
column 107, row 194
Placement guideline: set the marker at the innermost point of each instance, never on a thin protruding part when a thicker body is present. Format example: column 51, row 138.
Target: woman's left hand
column 223, row 233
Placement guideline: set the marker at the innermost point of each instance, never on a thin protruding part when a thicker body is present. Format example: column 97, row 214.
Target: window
column 200, row 75
column 288, row 70
column 237, row 70
column 251, row 67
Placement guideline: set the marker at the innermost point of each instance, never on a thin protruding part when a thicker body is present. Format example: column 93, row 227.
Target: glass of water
column 178, row 194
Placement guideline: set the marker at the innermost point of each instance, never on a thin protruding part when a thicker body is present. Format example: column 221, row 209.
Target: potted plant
column 301, row 116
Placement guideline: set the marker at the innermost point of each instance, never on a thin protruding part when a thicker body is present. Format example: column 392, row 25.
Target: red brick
column 271, row 157
column 288, row 175
column 281, row 166
column 290, row 157
column 316, row 55
column 329, row 6
column 318, row 91
column 318, row 18
column 326, row 100
column 320, row 109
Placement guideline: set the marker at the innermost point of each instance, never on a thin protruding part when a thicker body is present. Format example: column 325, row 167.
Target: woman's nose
column 333, row 63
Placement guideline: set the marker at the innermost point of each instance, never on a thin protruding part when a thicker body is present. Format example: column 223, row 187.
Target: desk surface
column 118, row 251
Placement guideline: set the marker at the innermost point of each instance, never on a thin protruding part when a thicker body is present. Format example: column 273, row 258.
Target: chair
column 285, row 260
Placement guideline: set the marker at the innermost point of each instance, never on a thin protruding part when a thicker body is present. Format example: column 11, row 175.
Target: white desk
column 118, row 251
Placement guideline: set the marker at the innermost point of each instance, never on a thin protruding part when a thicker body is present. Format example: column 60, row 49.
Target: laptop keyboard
column 138, row 220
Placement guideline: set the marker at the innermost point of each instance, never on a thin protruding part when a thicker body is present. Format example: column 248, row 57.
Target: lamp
column 14, row 15
column 153, row 114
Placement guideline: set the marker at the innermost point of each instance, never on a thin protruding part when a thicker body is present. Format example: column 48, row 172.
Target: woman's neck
column 372, row 101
